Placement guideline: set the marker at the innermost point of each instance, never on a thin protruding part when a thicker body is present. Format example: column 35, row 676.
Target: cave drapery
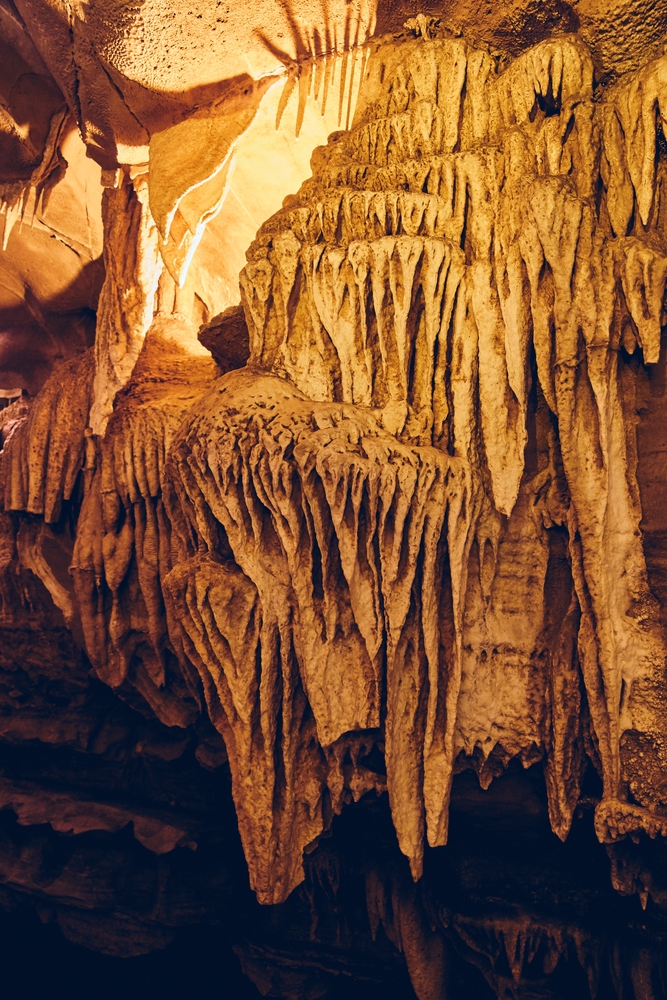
column 394, row 521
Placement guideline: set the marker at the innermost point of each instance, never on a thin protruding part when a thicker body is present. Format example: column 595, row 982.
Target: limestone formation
column 370, row 473
column 388, row 535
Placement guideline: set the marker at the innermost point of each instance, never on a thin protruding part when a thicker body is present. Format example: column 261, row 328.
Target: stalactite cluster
column 441, row 422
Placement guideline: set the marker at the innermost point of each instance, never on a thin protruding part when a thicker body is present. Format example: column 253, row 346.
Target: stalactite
column 127, row 301
column 344, row 497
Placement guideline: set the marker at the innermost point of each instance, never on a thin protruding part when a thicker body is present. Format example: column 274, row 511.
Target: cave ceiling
column 333, row 540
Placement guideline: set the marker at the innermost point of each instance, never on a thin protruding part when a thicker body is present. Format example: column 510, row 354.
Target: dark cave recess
column 502, row 862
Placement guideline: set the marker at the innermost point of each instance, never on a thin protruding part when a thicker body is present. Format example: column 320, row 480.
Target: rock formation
column 377, row 555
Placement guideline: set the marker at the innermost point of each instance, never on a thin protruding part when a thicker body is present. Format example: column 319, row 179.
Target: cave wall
column 350, row 557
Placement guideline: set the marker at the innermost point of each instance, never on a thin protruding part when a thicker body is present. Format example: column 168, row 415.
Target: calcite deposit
column 366, row 536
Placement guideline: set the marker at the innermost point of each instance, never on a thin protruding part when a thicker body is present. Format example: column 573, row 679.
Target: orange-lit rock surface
column 332, row 520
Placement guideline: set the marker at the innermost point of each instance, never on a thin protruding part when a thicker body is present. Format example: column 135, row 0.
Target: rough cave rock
column 333, row 531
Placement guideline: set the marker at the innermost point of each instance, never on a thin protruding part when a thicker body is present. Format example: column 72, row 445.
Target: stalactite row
column 42, row 459
column 513, row 952
column 505, row 949
column 325, row 77
column 326, row 63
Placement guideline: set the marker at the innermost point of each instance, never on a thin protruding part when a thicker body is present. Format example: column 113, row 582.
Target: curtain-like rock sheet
column 128, row 298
